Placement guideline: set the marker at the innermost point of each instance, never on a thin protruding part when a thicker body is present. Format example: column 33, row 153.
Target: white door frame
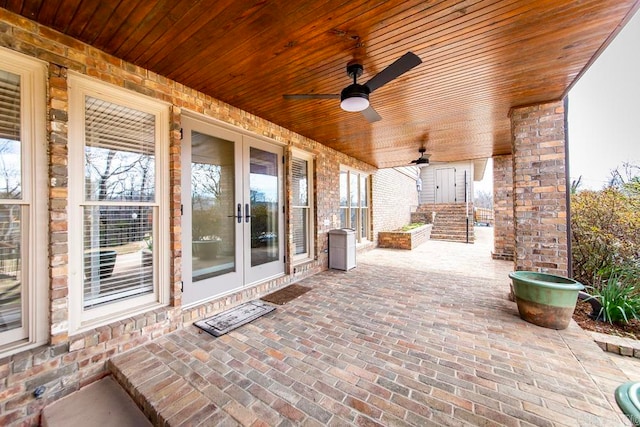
column 244, row 274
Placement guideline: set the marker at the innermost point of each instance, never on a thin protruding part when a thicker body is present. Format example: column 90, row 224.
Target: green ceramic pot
column 545, row 299
column 628, row 398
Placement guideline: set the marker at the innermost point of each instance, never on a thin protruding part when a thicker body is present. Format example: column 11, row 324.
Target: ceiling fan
column 355, row 97
column 423, row 160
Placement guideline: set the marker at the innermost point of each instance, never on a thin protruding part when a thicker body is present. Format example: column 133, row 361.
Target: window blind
column 119, row 168
column 300, row 205
column 116, row 127
column 9, row 106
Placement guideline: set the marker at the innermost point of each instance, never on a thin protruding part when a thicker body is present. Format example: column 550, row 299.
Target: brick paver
column 423, row 337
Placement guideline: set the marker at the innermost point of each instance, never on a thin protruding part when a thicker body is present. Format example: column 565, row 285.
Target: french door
column 232, row 223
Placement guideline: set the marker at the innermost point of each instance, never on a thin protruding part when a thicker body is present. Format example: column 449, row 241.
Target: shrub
column 411, row 226
column 604, row 233
column 619, row 298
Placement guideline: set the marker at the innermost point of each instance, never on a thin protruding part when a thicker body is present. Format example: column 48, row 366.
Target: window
column 23, row 204
column 354, row 202
column 117, row 194
column 301, row 205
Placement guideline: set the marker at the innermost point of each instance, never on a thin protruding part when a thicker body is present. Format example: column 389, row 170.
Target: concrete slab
column 101, row 404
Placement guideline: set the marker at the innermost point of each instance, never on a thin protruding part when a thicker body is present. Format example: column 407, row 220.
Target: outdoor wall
column 503, row 230
column 539, row 188
column 428, row 176
column 394, row 197
column 69, row 362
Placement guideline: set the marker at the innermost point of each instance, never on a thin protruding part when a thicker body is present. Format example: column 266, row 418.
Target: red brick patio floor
column 423, row 337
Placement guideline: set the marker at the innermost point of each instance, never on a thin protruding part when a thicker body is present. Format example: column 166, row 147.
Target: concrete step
column 100, row 404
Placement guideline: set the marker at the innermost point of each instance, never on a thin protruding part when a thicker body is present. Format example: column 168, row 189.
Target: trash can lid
column 342, row 231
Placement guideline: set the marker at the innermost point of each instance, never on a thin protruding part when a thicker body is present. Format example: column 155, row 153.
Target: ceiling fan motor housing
column 355, row 90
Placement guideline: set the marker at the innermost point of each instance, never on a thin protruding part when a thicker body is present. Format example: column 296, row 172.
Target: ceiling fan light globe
column 354, row 98
column 354, row 104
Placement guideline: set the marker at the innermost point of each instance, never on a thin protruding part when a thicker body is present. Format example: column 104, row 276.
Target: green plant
column 148, row 240
column 604, row 234
column 619, row 298
column 412, row 226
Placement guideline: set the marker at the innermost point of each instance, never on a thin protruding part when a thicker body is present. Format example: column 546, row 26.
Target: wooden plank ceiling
column 480, row 58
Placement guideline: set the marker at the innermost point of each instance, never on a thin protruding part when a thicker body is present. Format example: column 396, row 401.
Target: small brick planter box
column 405, row 239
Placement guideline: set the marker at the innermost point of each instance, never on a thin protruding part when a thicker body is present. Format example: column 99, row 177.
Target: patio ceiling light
column 354, row 98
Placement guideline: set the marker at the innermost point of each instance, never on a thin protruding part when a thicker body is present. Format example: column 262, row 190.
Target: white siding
column 428, row 176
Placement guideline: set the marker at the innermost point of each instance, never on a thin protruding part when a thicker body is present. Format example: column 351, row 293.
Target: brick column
column 58, row 196
column 503, row 231
column 539, row 188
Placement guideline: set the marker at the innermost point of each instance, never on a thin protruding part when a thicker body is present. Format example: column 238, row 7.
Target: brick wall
column 405, row 239
column 539, row 183
column 69, row 362
column 503, row 231
column 394, row 197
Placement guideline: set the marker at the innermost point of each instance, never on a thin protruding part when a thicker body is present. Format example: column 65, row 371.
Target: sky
column 604, row 111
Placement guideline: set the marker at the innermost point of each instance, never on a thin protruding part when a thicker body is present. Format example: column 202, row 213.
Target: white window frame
column 34, row 257
column 79, row 318
column 310, row 254
column 357, row 227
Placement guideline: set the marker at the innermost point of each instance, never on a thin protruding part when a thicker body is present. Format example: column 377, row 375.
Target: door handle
column 239, row 216
column 247, row 214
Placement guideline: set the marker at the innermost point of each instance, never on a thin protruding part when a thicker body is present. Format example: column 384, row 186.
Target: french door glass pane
column 213, row 221
column 264, row 201
column 10, row 271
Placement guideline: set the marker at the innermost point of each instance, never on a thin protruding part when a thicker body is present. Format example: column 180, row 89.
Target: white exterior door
column 446, row 185
column 232, row 218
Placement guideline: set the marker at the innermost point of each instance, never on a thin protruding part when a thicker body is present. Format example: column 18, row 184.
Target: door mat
column 233, row 318
column 285, row 295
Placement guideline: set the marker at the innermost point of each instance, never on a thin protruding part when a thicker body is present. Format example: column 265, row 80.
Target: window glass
column 119, row 152
column 117, row 228
column 23, row 217
column 300, row 205
column 354, row 214
column 11, row 289
column 353, row 189
column 364, row 194
column 344, row 188
column 10, row 145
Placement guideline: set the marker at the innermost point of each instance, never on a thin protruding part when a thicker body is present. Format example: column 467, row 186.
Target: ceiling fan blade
column 312, row 96
column 393, row 71
column 371, row 115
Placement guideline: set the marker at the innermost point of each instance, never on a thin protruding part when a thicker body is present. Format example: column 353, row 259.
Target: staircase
column 450, row 221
